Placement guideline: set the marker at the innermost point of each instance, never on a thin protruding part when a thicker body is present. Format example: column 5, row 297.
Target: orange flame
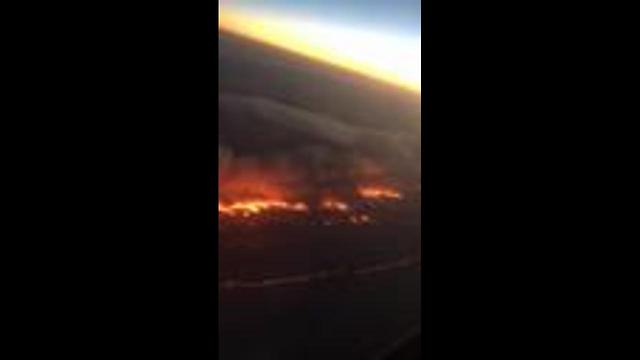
column 379, row 193
column 264, row 194
column 256, row 207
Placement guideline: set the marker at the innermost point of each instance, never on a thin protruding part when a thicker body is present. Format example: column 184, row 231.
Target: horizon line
column 278, row 36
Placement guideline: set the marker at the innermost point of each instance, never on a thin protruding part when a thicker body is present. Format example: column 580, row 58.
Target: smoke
column 267, row 147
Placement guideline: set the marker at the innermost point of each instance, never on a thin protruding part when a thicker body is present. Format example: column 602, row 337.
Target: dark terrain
column 318, row 292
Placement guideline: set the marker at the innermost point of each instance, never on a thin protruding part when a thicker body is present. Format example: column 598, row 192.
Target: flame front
column 254, row 192
column 257, row 207
column 330, row 208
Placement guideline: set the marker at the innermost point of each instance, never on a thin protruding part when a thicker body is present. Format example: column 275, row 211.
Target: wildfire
column 329, row 210
column 256, row 192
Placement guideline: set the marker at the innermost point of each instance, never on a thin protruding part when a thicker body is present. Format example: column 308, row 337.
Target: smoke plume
column 268, row 147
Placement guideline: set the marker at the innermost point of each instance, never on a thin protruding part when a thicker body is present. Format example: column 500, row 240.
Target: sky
column 377, row 38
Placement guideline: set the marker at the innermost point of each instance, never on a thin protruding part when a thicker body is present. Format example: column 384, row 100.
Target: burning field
column 251, row 194
column 276, row 207
column 297, row 144
column 261, row 189
column 281, row 164
column 318, row 207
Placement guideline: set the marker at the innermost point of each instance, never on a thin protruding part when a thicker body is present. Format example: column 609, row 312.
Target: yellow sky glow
column 392, row 59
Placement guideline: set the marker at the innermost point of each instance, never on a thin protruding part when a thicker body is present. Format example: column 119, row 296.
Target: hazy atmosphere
column 319, row 179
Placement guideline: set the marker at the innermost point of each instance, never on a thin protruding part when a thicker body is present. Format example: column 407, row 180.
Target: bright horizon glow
column 384, row 57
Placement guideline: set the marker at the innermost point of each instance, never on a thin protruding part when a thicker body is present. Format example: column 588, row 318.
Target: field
column 304, row 292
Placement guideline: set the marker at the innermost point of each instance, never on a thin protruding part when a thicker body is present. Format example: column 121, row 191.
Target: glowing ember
column 379, row 193
column 360, row 219
column 335, row 205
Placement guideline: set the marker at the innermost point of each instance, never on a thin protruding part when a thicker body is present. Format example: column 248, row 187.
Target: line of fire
column 259, row 198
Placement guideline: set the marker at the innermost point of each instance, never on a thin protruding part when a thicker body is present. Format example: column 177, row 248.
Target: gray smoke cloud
column 315, row 150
